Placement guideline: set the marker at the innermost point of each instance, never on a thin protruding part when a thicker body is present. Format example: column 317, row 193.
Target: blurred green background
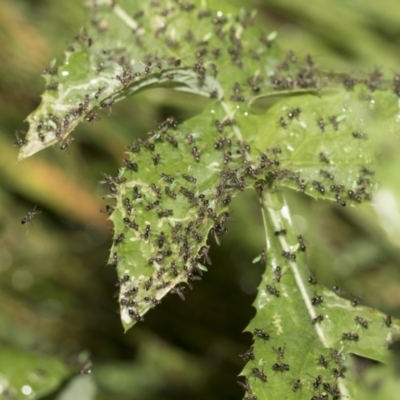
column 56, row 290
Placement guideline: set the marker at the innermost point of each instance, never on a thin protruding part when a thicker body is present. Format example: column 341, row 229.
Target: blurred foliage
column 57, row 292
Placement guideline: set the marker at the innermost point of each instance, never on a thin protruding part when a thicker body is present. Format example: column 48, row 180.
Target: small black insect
column 163, row 285
column 337, row 356
column 115, row 259
column 131, row 224
column 119, row 239
column 148, row 283
column 179, row 291
column 133, row 149
column 337, row 373
column 108, row 210
column 354, row 195
column 135, row 315
column 40, row 125
column 280, row 232
column 167, row 178
column 30, row 215
column 321, row 124
column 312, row 280
column 317, row 319
column 146, row 233
column 20, row 142
column 50, row 71
column 338, row 290
column 296, row 385
column 324, row 158
column 111, row 180
column 349, row 81
column 273, row 291
column 262, row 257
column 302, row 185
column 189, row 178
column 128, row 303
column 248, row 355
column 156, row 159
column 170, row 193
column 165, row 213
column 317, row 300
column 322, row 360
column 161, row 272
column 67, row 143
column 318, row 380
column 91, row 117
column 130, row 165
column 52, row 86
column 229, row 122
column 261, row 333
column 155, row 189
column 366, row 171
column 278, row 273
column 350, row 336
column 288, row 255
column 151, row 206
column 227, row 200
column 196, row 154
column 388, row 321
column 245, row 385
column 161, row 240
column 85, row 371
column 280, row 351
column 257, row 372
column 122, row 280
column 340, row 200
column 197, row 236
column 356, row 301
column 131, row 292
column 145, row 143
column 361, row 321
column 294, row 113
column 319, row 186
column 359, row 135
column 204, row 14
column 107, row 103
column 334, row 121
column 326, row 174
column 190, row 139
column 189, row 227
column 227, row 157
column 186, row 192
column 152, row 300
column 322, row 396
column 128, row 206
column 280, row 367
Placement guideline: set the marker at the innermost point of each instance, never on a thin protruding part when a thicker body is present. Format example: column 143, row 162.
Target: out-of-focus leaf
column 150, row 373
column 81, row 387
column 28, row 375
column 99, row 70
column 33, row 178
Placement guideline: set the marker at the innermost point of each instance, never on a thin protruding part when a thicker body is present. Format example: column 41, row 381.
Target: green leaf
column 110, row 60
column 317, row 334
column 327, row 144
column 29, row 375
column 166, row 204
